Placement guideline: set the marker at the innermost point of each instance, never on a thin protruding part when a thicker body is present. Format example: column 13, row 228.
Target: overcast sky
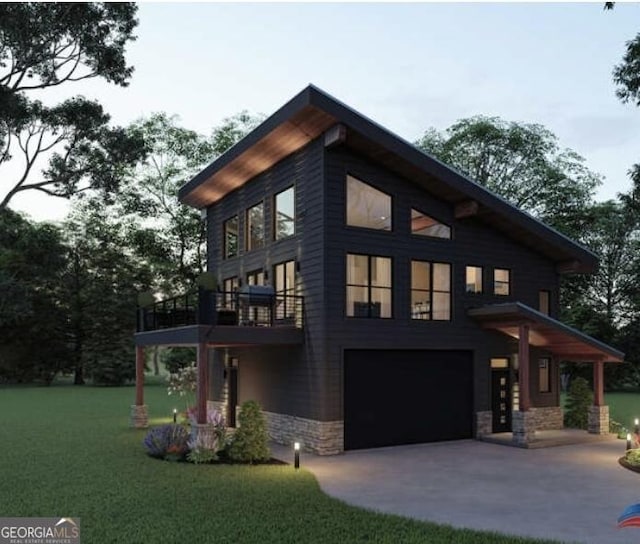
column 406, row 66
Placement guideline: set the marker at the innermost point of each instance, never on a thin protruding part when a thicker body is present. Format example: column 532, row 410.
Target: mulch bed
column 623, row 462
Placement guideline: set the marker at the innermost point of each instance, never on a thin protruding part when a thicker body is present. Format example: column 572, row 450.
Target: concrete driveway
column 570, row 493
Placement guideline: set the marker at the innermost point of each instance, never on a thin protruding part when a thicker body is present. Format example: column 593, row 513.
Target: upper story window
column 430, row 291
column 229, row 287
column 544, row 302
column 473, row 279
column 255, row 278
column 502, row 282
column 366, row 206
column 255, row 227
column 285, row 214
column 425, row 225
column 285, row 287
column 368, row 286
column 230, row 228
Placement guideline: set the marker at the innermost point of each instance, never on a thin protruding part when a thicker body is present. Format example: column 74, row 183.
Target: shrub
column 204, row 445
column 177, row 358
column 633, row 457
column 167, row 442
column 618, row 429
column 579, row 399
column 250, row 443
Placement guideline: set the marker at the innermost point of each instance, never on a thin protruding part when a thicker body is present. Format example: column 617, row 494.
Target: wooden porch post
column 203, row 386
column 139, row 375
column 523, row 364
column 598, row 383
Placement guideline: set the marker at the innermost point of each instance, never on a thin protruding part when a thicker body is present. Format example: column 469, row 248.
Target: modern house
column 369, row 295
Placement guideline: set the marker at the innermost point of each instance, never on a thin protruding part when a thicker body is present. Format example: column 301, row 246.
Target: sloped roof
column 312, row 112
column 548, row 333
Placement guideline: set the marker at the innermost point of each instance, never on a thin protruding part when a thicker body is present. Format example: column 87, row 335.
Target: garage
column 394, row 397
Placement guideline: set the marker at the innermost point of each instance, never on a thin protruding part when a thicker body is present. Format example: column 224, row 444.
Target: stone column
column 598, row 419
column 139, row 418
column 484, row 423
column 523, row 425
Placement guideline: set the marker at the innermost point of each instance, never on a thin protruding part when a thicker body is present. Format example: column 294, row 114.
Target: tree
column 32, row 323
column 579, row 399
column 101, row 284
column 521, row 162
column 45, row 45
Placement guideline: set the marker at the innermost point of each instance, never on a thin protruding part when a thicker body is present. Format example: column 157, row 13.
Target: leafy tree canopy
column 44, row 45
column 521, row 162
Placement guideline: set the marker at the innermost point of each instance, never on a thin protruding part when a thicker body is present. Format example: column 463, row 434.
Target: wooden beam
column 523, row 365
column 568, row 267
column 598, row 383
column 139, row 375
column 336, row 135
column 468, row 208
column 202, row 384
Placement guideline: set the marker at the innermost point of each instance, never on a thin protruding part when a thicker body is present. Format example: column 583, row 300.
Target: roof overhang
column 545, row 332
column 312, row 112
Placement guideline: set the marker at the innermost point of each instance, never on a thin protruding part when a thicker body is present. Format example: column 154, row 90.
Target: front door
column 500, row 401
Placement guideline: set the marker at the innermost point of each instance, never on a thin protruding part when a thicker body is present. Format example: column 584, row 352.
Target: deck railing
column 222, row 308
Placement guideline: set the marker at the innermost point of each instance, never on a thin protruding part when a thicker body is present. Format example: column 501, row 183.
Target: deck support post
column 203, row 383
column 139, row 412
column 598, row 413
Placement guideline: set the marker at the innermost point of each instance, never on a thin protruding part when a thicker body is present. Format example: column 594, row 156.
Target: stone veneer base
column 484, row 423
column 523, row 426
column 548, row 418
column 320, row 437
column 598, row 419
column 139, row 418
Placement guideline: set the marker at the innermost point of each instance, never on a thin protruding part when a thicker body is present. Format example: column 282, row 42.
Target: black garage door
column 394, row 397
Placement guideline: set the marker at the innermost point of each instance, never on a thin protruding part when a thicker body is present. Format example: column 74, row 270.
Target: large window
column 285, row 287
column 255, row 227
column 367, row 207
column 285, row 214
column 368, row 286
column 425, row 225
column 501, row 282
column 255, row 278
column 231, row 237
column 544, row 374
column 473, row 279
column 430, row 291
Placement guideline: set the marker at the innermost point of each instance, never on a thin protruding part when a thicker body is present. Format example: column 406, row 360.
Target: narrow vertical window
column 229, row 287
column 369, row 291
column 544, row 302
column 366, row 206
column 285, row 288
column 473, row 279
column 430, row 291
column 285, row 214
column 255, row 227
column 544, row 382
column 230, row 237
column 501, row 282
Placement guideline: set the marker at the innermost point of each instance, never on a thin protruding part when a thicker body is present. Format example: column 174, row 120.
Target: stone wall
column 320, row 437
column 523, row 425
column 598, row 419
column 484, row 423
column 139, row 418
column 548, row 418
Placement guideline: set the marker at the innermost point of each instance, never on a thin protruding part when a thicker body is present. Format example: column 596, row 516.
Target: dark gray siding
column 472, row 243
column 293, row 380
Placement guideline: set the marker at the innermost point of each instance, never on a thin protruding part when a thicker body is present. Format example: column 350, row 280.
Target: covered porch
column 533, row 329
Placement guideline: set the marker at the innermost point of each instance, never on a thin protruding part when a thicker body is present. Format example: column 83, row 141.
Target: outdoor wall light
column 175, row 415
column 296, row 455
column 628, row 441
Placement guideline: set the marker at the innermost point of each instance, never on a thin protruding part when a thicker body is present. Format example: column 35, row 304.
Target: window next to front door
column 368, row 286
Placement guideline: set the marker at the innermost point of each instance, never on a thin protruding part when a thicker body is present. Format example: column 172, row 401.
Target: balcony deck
column 222, row 319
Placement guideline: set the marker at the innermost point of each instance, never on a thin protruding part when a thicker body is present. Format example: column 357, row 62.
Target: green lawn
column 623, row 407
column 67, row 451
